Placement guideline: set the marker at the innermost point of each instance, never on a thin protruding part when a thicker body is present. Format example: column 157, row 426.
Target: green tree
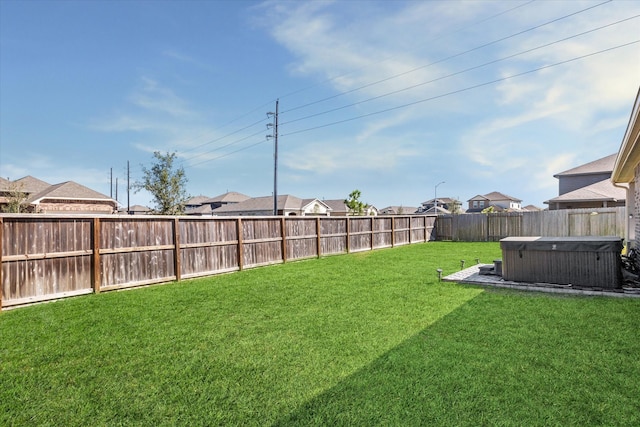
column 455, row 207
column 166, row 183
column 356, row 207
column 16, row 199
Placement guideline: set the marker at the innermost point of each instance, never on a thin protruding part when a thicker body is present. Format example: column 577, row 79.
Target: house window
column 475, row 204
column 482, row 203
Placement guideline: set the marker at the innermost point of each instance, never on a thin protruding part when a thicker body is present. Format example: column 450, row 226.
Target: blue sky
column 388, row 97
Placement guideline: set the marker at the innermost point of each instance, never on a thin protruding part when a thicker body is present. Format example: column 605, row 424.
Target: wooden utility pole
column 128, row 188
column 275, row 157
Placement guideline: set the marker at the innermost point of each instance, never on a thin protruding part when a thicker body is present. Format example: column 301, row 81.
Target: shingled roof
column 68, row 190
column 229, row 197
column 197, row 200
column 599, row 166
column 264, row 203
column 600, row 191
column 31, row 185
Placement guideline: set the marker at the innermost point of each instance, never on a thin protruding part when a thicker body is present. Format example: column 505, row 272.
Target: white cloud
column 545, row 171
column 161, row 119
column 157, row 98
column 125, row 123
column 374, row 155
column 150, row 107
column 352, row 53
column 185, row 58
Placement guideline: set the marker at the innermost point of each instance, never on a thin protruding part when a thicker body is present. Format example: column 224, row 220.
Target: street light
column 435, row 198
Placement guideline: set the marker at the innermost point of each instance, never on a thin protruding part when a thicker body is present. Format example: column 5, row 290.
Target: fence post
column 96, row 278
column 240, row 248
column 1, row 244
column 424, row 224
column 283, row 233
column 348, row 235
column 486, row 237
column 393, row 231
column 372, row 223
column 318, row 241
column 177, row 253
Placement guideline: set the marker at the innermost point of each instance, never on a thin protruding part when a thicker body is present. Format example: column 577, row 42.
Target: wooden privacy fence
column 559, row 223
column 46, row 257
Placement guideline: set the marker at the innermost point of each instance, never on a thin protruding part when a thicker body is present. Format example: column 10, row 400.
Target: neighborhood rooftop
column 604, row 164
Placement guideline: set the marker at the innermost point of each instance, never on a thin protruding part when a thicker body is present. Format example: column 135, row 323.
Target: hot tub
column 579, row 261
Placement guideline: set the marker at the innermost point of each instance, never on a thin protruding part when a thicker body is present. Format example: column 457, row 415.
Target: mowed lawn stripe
column 244, row 348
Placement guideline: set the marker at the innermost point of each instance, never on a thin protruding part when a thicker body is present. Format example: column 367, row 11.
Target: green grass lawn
column 362, row 339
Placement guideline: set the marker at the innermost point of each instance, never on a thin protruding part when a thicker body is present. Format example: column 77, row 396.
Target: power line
column 230, row 153
column 334, row 78
column 447, row 58
column 411, row 87
column 423, row 100
column 461, row 90
column 225, row 136
column 221, row 147
column 391, row 57
column 458, row 72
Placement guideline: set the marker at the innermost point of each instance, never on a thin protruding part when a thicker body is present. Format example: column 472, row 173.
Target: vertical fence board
column 333, row 235
column 382, row 232
column 402, row 231
column 557, row 223
column 96, row 279
column 1, row 263
column 208, row 246
column 262, row 239
column 44, row 258
column 141, row 251
column 239, row 227
column 360, row 234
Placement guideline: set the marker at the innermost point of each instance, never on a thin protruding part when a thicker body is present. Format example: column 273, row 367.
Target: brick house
column 588, row 186
column 499, row 202
column 263, row 206
column 202, row 205
column 65, row 197
column 626, row 172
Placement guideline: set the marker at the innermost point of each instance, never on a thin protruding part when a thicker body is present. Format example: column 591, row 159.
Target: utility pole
column 128, row 187
column 435, row 198
column 275, row 156
column 111, row 183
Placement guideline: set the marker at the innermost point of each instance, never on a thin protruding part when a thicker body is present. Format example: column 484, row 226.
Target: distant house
column 263, row 206
column 202, row 205
column 339, row 208
column 195, row 202
column 531, row 208
column 137, row 210
column 29, row 184
column 626, row 172
column 588, row 186
column 445, row 205
column 65, row 197
column 398, row 210
column 226, row 199
column 499, row 202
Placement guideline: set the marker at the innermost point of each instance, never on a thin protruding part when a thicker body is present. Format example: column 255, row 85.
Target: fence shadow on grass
column 477, row 367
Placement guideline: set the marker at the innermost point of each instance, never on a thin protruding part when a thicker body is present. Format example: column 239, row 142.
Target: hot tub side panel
column 580, row 268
